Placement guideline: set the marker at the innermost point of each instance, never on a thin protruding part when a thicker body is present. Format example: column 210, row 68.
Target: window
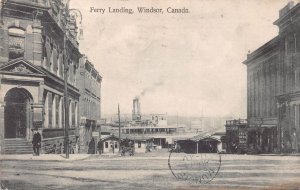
column 73, row 113
column 76, row 113
column 290, row 44
column 71, row 72
column 59, row 65
column 47, row 52
column 46, row 122
column 62, row 112
column 57, row 110
column 74, row 73
column 70, row 113
column 54, row 111
column 139, row 144
column 106, row 144
column 54, row 59
column 16, row 43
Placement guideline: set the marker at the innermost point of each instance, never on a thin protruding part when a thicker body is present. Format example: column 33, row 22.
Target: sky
column 186, row 64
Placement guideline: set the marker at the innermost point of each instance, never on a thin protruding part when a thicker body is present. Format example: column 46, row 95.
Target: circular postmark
column 198, row 168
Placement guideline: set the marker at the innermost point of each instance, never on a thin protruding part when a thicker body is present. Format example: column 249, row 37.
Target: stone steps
column 18, row 146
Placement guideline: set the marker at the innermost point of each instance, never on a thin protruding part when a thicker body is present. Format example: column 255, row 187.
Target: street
column 147, row 171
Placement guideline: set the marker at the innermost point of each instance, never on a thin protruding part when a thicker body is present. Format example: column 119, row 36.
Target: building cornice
column 58, row 83
column 286, row 17
column 272, row 45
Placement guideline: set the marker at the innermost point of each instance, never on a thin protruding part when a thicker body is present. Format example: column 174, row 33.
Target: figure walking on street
column 100, row 147
column 91, row 149
column 36, row 143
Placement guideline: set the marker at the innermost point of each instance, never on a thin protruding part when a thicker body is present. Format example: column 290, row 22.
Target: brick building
column 89, row 102
column 37, row 45
column 273, row 88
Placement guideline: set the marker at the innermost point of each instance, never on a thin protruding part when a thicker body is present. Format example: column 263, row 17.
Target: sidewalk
column 59, row 157
column 45, row 157
column 76, row 157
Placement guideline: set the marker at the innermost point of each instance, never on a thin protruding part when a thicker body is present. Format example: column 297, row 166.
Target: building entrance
column 17, row 113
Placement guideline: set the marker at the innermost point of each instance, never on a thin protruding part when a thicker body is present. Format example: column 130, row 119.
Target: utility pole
column 119, row 127
column 66, row 68
column 66, row 100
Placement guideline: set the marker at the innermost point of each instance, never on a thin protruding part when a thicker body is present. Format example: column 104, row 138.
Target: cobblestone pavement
column 146, row 172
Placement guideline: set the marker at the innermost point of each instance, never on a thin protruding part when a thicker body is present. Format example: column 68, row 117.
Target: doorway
column 17, row 113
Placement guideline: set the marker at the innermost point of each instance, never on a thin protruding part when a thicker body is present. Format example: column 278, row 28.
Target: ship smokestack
column 136, row 110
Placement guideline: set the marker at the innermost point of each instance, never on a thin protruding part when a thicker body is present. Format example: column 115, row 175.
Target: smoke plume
column 152, row 88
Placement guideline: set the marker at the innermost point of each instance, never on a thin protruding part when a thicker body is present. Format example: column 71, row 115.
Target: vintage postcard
column 149, row 94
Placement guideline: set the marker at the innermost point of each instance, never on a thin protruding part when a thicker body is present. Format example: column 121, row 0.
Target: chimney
column 286, row 9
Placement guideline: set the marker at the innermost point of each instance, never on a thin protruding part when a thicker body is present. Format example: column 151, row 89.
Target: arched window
column 16, row 43
column 74, row 74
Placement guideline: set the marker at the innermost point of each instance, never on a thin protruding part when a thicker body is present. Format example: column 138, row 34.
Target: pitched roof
column 110, row 137
column 22, row 67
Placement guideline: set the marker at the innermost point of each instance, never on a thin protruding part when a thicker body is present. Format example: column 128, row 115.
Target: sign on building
column 95, row 134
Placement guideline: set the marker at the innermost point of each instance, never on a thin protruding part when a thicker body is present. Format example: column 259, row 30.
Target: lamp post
column 66, row 69
column 119, row 128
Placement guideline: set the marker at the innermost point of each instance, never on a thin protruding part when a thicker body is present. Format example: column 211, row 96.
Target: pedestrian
column 100, row 147
column 36, row 142
column 76, row 148
column 92, row 146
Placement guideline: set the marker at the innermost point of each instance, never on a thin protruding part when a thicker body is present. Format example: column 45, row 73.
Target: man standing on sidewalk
column 36, row 142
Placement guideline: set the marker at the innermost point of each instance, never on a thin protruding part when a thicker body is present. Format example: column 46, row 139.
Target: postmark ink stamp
column 199, row 168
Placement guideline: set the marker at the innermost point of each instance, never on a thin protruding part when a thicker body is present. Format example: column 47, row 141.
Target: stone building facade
column 38, row 46
column 273, row 88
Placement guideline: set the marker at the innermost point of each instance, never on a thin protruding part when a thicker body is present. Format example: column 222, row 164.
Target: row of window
column 53, row 60
column 112, row 144
column 55, row 109
column 91, row 108
column 262, row 91
column 52, row 56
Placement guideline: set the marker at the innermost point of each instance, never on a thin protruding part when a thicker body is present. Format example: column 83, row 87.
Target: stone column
column 29, row 113
column 76, row 113
column 54, row 111
column 2, row 126
column 46, row 111
column 70, row 113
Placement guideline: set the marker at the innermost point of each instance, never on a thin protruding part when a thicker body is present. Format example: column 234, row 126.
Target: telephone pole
column 66, row 101
column 66, row 69
column 119, row 127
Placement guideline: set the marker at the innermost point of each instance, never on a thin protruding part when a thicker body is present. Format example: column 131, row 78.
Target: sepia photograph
column 149, row 94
